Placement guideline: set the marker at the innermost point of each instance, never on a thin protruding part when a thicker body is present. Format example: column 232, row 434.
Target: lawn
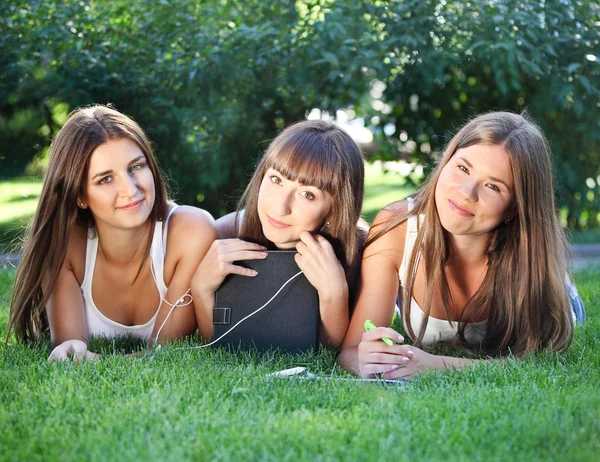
column 211, row 405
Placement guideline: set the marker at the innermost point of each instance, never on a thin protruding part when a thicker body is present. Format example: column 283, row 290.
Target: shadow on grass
column 17, row 199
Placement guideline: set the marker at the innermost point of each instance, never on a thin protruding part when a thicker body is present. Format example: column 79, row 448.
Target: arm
column 376, row 301
column 317, row 259
column 65, row 309
column 191, row 232
column 212, row 270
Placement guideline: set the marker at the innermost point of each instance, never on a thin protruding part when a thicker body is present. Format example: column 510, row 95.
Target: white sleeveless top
column 100, row 325
column 437, row 329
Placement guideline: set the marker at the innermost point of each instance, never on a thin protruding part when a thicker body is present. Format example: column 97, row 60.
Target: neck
column 469, row 250
column 124, row 246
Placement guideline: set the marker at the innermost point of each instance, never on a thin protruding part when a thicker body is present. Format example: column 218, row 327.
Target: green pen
column 370, row 326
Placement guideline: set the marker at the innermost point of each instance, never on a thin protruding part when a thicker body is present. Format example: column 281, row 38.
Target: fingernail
column 394, row 367
column 409, row 353
column 254, row 272
column 400, row 338
column 404, row 359
column 264, row 254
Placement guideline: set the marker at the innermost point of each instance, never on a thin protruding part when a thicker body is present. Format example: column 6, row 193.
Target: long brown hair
column 320, row 154
column 47, row 239
column 524, row 289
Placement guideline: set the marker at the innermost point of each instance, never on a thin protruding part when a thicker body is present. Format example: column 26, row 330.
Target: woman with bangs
column 306, row 194
column 478, row 253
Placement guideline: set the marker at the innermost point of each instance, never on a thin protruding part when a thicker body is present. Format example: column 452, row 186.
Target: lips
column 131, row 205
column 460, row 210
column 276, row 223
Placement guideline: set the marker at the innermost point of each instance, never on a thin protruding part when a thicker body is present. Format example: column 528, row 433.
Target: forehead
column 491, row 160
column 114, row 154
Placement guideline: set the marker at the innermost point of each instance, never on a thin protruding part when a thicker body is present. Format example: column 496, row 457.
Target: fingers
column 75, row 349
column 234, row 245
column 382, row 332
column 313, row 243
column 235, row 269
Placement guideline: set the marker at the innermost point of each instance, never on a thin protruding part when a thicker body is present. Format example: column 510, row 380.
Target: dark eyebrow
column 498, row 180
column 101, row 174
column 137, row 159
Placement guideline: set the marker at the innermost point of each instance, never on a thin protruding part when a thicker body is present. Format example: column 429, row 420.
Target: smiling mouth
column 459, row 210
column 277, row 224
column 132, row 205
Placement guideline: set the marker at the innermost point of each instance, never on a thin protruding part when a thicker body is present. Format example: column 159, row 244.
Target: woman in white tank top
column 106, row 255
column 479, row 256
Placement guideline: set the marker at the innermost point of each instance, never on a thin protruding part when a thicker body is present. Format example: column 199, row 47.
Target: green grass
column 18, row 201
column 207, row 405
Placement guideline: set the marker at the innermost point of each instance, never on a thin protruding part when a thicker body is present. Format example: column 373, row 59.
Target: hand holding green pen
column 370, row 326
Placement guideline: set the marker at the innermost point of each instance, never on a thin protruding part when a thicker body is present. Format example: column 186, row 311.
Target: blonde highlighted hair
column 525, row 286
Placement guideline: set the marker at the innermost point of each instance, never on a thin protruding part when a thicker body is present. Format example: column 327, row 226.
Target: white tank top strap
column 158, row 251
column 411, row 236
column 91, row 250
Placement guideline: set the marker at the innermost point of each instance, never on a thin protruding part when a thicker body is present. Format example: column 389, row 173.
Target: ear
column 81, row 203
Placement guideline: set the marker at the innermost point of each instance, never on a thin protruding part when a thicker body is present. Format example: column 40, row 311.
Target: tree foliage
column 210, row 81
column 449, row 60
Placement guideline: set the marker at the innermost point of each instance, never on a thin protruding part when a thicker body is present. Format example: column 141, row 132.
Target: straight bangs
column 308, row 159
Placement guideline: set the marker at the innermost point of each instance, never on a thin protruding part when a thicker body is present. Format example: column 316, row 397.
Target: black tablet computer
column 289, row 322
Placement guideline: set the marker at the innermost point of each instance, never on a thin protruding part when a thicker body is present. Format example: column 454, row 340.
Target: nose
column 128, row 186
column 468, row 190
column 281, row 204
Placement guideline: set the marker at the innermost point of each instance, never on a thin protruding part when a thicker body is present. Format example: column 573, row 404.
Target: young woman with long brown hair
column 106, row 254
column 306, row 194
column 479, row 255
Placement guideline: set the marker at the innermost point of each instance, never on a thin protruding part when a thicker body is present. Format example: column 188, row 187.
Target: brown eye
column 275, row 179
column 308, row 195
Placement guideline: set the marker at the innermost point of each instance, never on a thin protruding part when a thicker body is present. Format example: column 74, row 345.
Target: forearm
column 334, row 319
column 204, row 302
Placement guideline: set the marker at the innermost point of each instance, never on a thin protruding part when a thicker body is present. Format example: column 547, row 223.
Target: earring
column 81, row 204
column 327, row 224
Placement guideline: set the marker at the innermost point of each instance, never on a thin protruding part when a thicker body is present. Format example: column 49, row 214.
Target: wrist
column 334, row 293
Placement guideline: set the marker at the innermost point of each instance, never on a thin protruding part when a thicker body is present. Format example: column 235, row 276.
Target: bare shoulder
column 226, row 226
column 391, row 211
column 388, row 231
column 190, row 228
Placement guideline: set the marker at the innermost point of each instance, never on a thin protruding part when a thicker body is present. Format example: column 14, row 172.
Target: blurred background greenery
column 212, row 80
